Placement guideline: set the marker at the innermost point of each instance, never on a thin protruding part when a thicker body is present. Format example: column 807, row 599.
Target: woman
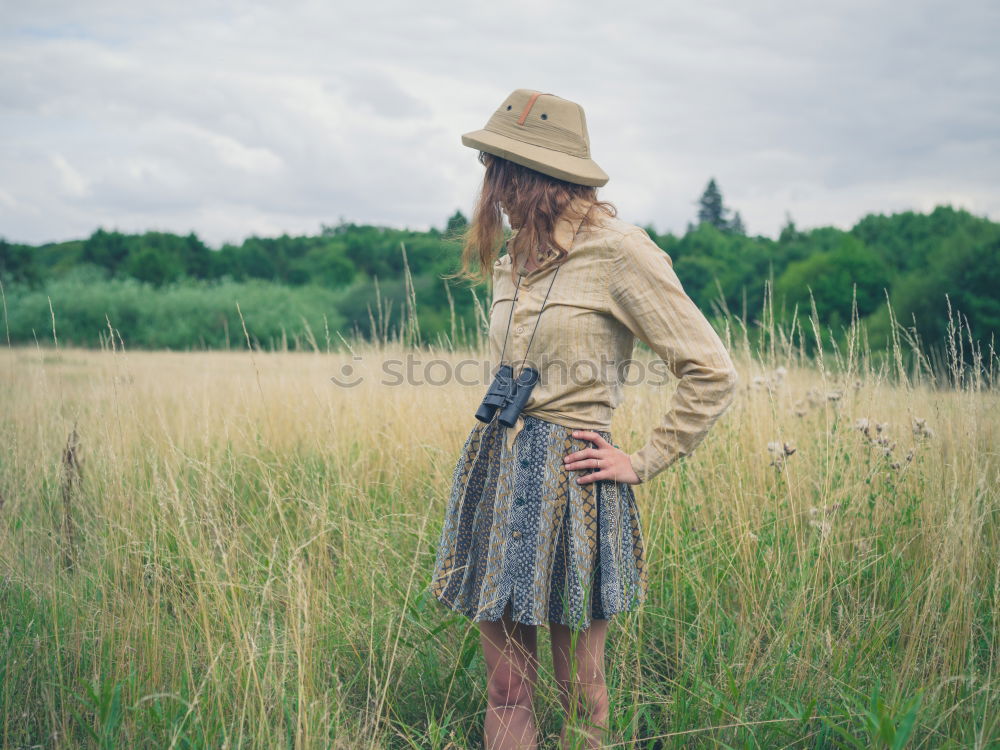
column 542, row 526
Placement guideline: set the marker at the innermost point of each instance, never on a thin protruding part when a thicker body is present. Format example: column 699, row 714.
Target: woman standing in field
column 542, row 526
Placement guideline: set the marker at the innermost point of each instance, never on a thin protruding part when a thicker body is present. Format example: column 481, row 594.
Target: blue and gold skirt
column 521, row 532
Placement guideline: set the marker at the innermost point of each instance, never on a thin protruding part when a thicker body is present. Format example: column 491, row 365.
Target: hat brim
column 574, row 169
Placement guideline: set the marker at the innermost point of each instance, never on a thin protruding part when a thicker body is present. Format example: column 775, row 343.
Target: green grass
column 244, row 560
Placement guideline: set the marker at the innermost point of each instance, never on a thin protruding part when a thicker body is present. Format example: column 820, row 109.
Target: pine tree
column 456, row 224
column 789, row 232
column 711, row 208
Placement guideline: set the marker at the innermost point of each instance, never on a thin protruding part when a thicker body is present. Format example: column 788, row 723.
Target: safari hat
column 543, row 132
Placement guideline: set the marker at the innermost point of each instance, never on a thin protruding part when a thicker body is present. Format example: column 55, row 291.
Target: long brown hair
column 534, row 203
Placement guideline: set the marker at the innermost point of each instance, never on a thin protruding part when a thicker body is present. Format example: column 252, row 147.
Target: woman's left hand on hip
column 609, row 461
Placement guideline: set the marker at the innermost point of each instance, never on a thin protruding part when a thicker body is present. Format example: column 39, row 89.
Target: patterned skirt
column 521, row 532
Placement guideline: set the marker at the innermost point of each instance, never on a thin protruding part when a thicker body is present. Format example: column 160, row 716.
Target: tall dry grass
column 229, row 550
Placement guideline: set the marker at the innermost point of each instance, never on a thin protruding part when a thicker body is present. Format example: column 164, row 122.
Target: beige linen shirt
column 615, row 286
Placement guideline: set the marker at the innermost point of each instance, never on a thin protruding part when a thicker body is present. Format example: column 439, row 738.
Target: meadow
column 230, row 550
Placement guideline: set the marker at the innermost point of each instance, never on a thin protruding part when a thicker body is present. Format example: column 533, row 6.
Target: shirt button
column 516, row 534
column 519, row 329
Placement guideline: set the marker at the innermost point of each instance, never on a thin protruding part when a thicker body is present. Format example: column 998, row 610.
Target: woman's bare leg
column 581, row 681
column 511, row 655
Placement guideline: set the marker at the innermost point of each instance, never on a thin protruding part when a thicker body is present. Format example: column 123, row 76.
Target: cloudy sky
column 238, row 118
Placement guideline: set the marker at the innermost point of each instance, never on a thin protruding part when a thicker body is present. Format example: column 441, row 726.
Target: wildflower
column 786, row 448
column 920, row 428
column 800, row 408
column 834, row 395
column 881, row 426
column 863, row 425
column 823, row 527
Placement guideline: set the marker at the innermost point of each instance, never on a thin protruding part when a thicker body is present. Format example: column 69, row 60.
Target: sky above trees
column 231, row 119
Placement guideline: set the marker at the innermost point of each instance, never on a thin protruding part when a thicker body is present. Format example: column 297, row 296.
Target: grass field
column 226, row 550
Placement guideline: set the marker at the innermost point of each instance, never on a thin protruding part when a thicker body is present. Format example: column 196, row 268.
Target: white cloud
column 236, row 118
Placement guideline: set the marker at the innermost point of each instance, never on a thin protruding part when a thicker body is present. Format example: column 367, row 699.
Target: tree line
column 159, row 289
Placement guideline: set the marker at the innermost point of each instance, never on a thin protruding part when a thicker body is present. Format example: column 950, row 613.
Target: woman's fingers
column 596, row 476
column 586, row 462
column 592, row 437
column 577, row 457
column 609, row 461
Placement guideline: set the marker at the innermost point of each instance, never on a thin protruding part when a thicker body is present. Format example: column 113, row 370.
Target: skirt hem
column 475, row 616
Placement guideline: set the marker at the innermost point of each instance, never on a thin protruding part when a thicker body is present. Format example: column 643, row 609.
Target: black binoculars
column 508, row 395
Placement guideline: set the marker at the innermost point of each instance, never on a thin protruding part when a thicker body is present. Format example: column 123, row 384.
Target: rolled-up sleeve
column 647, row 297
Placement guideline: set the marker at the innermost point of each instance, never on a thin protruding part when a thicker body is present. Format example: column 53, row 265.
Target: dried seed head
column 823, row 527
column 834, row 395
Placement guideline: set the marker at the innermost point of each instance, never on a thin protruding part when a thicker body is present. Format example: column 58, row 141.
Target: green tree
column 831, row 276
column 966, row 269
column 711, row 209
column 106, row 249
column 457, row 224
column 736, row 225
column 17, row 263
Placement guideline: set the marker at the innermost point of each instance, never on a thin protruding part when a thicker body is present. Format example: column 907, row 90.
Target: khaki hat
column 543, row 132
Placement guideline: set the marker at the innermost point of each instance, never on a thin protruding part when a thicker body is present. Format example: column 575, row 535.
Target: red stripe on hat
column 527, row 108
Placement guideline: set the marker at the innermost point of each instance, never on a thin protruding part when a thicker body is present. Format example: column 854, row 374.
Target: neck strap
column 514, row 301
